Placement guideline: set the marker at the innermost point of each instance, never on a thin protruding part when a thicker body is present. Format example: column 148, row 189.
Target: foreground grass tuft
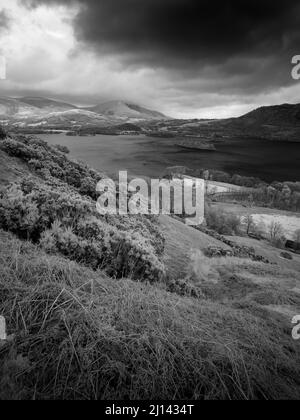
column 80, row 335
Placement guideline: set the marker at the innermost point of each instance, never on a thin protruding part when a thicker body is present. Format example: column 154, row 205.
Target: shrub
column 220, row 176
column 51, row 162
column 100, row 246
column 64, row 222
column 286, row 256
column 244, row 181
column 184, row 287
column 147, row 226
column 175, row 172
column 62, row 149
column 60, row 213
column 88, row 187
column 2, row 133
column 21, row 150
column 224, row 224
column 18, row 214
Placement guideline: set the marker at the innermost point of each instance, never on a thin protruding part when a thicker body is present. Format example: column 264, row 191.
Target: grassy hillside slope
column 269, row 252
column 76, row 334
column 181, row 242
column 109, row 308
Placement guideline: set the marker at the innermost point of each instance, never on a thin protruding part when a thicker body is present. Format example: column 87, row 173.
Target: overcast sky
column 187, row 58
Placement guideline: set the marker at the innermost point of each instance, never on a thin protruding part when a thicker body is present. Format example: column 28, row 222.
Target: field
column 263, row 217
column 213, row 187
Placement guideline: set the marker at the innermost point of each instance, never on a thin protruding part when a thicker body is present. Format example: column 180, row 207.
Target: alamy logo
column 182, row 197
column 3, row 335
column 296, row 68
column 296, row 329
column 2, row 68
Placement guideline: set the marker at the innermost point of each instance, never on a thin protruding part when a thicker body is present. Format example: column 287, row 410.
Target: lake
column 146, row 156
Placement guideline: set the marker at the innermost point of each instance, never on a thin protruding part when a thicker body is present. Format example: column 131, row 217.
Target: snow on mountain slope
column 42, row 111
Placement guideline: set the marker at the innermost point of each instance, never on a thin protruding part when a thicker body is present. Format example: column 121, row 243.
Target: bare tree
column 276, row 234
column 250, row 224
column 276, row 230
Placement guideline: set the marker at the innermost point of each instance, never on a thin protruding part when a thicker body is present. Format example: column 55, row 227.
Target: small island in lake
column 197, row 145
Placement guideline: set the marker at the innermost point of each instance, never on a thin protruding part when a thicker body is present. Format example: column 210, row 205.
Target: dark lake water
column 148, row 156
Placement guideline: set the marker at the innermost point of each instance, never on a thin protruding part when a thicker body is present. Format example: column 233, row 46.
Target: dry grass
column 181, row 242
column 79, row 335
column 230, row 279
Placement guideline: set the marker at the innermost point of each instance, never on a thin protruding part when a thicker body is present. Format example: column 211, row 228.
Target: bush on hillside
column 245, row 181
column 118, row 253
column 223, row 223
column 62, row 149
column 124, row 246
column 2, row 133
column 50, row 162
column 147, row 226
column 28, row 208
column 65, row 222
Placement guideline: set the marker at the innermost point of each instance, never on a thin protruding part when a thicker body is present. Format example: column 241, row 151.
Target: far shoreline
column 145, row 156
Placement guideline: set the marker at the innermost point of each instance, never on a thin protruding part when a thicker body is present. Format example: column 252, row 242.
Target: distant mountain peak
column 36, row 110
column 127, row 110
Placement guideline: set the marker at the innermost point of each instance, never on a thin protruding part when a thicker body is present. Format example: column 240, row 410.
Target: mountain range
column 280, row 122
column 38, row 111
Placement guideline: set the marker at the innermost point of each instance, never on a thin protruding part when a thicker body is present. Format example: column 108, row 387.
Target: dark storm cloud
column 240, row 41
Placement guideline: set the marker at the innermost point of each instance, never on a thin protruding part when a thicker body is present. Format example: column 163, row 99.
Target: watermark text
column 296, row 68
column 296, row 329
column 181, row 197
